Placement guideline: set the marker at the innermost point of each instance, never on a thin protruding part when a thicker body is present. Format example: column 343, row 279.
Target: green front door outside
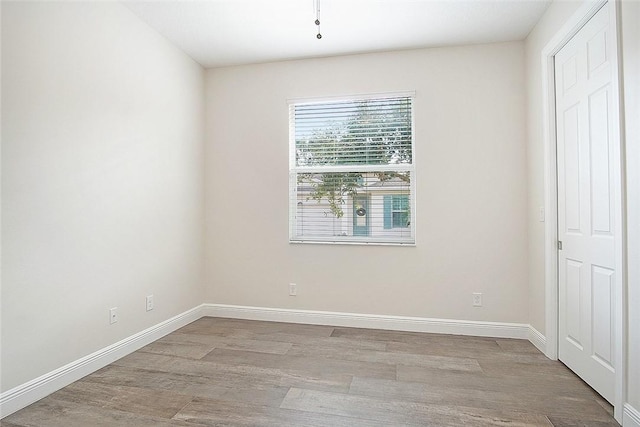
column 361, row 216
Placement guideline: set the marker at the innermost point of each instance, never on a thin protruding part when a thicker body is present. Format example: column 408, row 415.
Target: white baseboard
column 537, row 339
column 34, row 390
column 630, row 416
column 371, row 321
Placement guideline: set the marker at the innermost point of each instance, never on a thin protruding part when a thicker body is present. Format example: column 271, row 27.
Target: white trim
column 631, row 416
column 334, row 241
column 295, row 170
column 400, row 167
column 24, row 395
column 586, row 11
column 550, row 206
column 537, row 339
column 349, row 97
column 414, row 176
column 620, row 301
column 370, row 321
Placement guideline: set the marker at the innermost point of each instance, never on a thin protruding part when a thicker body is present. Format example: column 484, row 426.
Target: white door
column 586, row 226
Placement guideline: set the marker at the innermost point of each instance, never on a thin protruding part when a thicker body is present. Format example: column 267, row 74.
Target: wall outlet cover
column 477, row 299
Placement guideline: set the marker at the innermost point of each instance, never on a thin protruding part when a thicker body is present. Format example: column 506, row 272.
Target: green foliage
column 335, row 187
column 370, row 135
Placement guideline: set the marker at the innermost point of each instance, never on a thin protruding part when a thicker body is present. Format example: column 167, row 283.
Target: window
column 351, row 170
column 396, row 212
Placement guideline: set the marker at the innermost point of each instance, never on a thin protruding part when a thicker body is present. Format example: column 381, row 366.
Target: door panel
column 600, row 171
column 573, row 312
column 602, row 289
column 572, row 170
column 586, row 263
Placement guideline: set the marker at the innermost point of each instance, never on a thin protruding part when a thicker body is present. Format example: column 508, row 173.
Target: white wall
column 630, row 11
column 102, row 181
column 471, row 188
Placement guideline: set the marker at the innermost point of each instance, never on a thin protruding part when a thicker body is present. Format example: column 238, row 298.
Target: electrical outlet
column 149, row 302
column 113, row 315
column 477, row 299
column 293, row 289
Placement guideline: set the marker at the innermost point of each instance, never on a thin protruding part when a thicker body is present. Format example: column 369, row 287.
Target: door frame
column 584, row 13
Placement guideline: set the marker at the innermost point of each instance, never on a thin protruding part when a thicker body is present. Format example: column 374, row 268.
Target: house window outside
column 396, row 212
column 351, row 169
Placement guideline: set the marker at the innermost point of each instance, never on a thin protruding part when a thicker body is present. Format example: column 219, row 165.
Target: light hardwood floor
column 223, row 372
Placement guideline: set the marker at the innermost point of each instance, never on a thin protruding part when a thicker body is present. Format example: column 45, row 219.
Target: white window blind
column 351, row 170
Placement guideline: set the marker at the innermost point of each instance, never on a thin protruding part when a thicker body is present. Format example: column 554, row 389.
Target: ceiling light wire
column 317, row 8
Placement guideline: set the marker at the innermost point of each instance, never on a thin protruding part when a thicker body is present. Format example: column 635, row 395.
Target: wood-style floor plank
column 399, row 412
column 51, row 412
column 226, row 372
column 330, row 341
column 192, row 385
column 548, row 403
column 186, row 349
column 226, row 327
column 313, row 364
column 459, row 341
column 239, row 375
column 517, row 346
column 138, row 400
column 564, row 422
column 212, row 341
column 219, row 413
column 493, row 381
column 408, row 359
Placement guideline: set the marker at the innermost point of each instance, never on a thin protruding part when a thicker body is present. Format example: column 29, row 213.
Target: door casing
column 586, row 11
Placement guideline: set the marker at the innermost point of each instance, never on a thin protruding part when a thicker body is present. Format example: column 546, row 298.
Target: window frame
column 295, row 170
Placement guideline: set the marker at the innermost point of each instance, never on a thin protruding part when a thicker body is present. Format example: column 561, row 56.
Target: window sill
column 352, row 242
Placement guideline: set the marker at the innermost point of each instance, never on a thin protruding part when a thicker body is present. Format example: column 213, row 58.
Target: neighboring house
column 379, row 209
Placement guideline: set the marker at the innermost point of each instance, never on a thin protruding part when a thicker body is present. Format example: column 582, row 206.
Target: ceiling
column 219, row 33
